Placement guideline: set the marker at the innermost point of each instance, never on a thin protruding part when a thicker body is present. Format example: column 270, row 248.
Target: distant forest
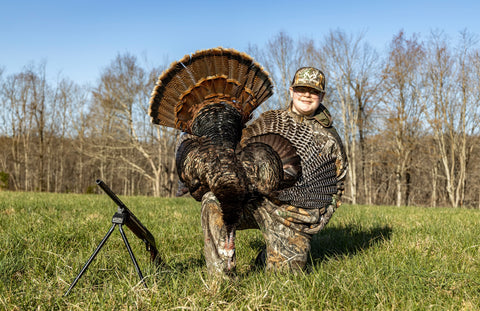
column 408, row 116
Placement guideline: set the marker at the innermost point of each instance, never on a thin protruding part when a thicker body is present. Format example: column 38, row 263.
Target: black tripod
column 123, row 216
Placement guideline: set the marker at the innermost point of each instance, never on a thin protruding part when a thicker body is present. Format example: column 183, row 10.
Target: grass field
column 367, row 258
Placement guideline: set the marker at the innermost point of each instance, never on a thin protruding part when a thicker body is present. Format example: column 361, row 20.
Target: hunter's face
column 305, row 100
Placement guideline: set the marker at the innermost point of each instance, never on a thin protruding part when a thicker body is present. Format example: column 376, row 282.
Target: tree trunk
column 398, row 187
column 434, row 186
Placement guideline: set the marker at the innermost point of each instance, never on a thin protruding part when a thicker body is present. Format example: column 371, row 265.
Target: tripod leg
column 131, row 255
column 90, row 259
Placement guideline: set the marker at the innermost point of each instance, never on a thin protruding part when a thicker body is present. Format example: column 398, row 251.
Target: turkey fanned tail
column 208, row 77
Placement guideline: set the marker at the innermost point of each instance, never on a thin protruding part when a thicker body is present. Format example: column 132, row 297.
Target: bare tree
column 4, row 141
column 123, row 96
column 281, row 57
column 67, row 108
column 452, row 108
column 403, row 108
column 473, row 113
column 352, row 73
column 16, row 98
column 40, row 109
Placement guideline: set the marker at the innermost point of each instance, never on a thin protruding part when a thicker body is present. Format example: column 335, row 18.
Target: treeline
column 408, row 116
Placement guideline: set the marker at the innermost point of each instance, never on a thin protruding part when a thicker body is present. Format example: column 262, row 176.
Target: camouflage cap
column 311, row 77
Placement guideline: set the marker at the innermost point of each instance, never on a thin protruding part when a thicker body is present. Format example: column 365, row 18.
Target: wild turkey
column 210, row 95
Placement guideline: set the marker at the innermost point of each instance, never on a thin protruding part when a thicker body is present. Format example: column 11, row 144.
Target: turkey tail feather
column 206, row 77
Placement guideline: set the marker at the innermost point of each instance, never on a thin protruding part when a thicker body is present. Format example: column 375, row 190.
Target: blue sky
column 77, row 39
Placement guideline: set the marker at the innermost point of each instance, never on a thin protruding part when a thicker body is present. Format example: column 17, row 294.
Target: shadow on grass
column 190, row 264
column 346, row 241
column 330, row 242
column 335, row 241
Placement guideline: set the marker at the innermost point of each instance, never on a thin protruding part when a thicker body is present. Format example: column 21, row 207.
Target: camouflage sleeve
column 342, row 165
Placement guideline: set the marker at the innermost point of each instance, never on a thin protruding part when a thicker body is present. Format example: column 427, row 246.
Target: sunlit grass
column 368, row 257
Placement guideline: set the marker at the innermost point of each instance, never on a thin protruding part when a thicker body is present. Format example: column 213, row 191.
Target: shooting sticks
column 123, row 216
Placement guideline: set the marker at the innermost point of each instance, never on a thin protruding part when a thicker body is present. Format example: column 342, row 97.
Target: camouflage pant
column 287, row 231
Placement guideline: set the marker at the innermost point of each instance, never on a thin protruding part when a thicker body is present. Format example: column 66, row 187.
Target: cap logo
column 309, row 77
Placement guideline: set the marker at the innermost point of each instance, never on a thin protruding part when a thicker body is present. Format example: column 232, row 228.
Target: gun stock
column 133, row 223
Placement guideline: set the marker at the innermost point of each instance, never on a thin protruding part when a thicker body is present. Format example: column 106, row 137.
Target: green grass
column 367, row 258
